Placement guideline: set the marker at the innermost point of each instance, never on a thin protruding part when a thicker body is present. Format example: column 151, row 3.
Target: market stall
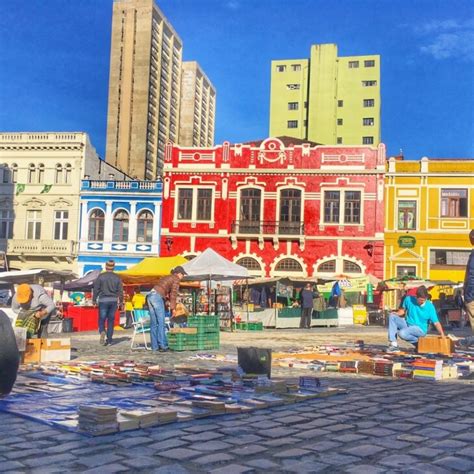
column 275, row 301
column 210, row 266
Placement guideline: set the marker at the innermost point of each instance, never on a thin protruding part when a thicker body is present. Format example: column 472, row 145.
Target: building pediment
column 60, row 202
column 34, row 202
column 407, row 255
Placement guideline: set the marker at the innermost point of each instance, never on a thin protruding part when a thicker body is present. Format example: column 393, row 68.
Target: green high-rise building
column 327, row 99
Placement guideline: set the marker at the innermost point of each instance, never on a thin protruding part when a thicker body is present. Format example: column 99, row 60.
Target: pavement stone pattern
column 380, row 425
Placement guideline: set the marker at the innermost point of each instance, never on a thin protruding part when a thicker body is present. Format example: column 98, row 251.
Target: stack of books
column 428, row 369
column 97, row 419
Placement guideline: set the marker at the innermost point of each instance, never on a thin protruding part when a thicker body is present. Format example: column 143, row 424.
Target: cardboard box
column 435, row 345
column 32, row 352
column 183, row 330
column 56, row 350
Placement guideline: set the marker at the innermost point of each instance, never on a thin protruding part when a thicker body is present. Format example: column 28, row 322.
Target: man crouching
column 411, row 321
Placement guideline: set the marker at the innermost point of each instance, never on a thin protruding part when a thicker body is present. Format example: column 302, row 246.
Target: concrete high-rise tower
column 198, row 107
column 327, row 99
column 144, row 88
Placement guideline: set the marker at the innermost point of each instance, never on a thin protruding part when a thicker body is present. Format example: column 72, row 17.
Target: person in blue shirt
column 418, row 312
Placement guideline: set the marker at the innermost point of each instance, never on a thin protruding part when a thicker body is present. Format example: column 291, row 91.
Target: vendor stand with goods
column 277, row 302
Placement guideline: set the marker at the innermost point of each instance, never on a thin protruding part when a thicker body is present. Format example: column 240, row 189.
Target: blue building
column 119, row 220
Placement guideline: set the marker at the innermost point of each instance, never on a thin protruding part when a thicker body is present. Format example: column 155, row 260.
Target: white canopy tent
column 212, row 266
column 34, row 276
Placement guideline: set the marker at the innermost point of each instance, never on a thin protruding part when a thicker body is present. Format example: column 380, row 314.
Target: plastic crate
column 203, row 322
column 257, row 326
column 182, row 342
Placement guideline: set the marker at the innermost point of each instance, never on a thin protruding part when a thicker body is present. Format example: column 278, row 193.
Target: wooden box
column 32, row 352
column 435, row 345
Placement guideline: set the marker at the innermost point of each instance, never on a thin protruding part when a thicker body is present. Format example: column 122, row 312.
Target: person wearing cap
column 34, row 308
column 418, row 312
column 167, row 287
column 108, row 294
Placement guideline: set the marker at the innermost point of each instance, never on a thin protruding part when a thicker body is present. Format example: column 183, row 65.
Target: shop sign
column 406, row 241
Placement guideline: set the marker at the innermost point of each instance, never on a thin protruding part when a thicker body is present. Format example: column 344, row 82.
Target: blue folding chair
column 141, row 325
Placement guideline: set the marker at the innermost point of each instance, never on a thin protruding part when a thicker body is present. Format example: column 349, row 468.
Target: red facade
column 279, row 210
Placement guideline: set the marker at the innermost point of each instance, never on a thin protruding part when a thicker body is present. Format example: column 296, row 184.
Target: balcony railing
column 267, row 228
column 41, row 247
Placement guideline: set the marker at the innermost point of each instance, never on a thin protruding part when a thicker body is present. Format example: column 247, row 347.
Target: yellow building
column 327, row 99
column 429, row 214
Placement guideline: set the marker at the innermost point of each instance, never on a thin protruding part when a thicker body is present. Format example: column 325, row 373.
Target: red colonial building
column 279, row 207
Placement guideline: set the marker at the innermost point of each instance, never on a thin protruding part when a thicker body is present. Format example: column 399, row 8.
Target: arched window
column 58, row 175
column 250, row 205
column 249, row 263
column 327, row 267
column 351, row 267
column 40, row 173
column 14, row 173
column 145, row 227
column 68, row 172
column 120, row 227
column 290, row 211
column 96, row 225
column 288, row 265
column 31, row 173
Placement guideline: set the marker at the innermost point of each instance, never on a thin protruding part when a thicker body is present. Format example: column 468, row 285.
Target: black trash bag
column 254, row 360
column 9, row 355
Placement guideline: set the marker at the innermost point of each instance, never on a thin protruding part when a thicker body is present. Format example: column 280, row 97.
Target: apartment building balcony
column 267, row 228
column 55, row 249
column 123, row 186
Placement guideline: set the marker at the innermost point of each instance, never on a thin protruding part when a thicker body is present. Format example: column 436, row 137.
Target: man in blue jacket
column 108, row 294
column 418, row 312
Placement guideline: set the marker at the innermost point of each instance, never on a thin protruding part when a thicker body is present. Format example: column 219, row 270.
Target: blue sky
column 54, row 63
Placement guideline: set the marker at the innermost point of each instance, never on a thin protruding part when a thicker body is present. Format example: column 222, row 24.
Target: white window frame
column 194, row 203
column 417, row 223
column 342, row 202
column 61, row 220
column 35, row 220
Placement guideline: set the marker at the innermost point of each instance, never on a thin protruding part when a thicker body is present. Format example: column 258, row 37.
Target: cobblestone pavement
column 380, row 425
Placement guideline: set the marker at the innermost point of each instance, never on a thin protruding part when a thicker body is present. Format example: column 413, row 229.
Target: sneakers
column 391, row 349
column 163, row 350
column 102, row 338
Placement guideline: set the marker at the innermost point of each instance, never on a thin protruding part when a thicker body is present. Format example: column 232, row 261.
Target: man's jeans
column 156, row 306
column 398, row 326
column 107, row 310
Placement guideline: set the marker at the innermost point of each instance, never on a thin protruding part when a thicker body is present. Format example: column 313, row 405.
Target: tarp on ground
column 150, row 269
column 212, row 266
column 84, row 283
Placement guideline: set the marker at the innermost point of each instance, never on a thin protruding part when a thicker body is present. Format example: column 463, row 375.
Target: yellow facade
column 327, row 99
column 429, row 214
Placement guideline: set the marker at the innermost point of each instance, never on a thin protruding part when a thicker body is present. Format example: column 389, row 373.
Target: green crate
column 258, row 326
column 214, row 339
column 203, row 322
